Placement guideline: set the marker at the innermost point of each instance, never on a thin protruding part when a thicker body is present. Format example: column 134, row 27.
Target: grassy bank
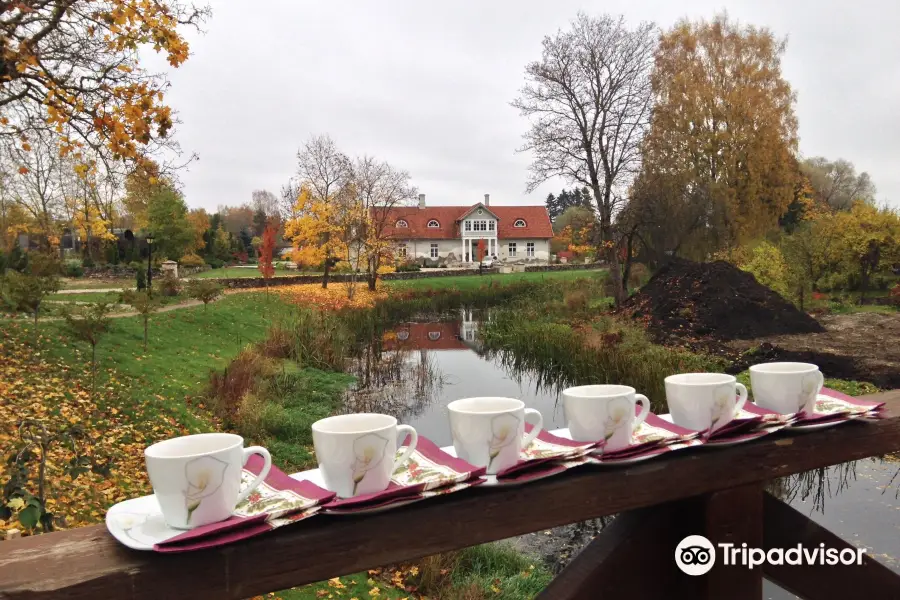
column 469, row 282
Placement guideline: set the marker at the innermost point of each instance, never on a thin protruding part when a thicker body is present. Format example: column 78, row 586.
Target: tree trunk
column 146, row 319
column 327, row 271
column 93, row 370
column 373, row 274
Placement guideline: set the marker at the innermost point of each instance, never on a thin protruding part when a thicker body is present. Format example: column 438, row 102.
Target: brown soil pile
column 687, row 301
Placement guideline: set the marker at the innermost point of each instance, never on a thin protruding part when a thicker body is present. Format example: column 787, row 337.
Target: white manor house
column 452, row 233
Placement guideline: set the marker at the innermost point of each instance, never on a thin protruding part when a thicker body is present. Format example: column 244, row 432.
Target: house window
column 403, row 335
column 434, row 335
column 401, row 251
column 433, row 224
column 491, row 225
column 512, row 248
column 519, row 223
column 468, row 225
column 480, row 212
column 529, row 249
column 434, row 251
column 481, row 225
column 401, row 224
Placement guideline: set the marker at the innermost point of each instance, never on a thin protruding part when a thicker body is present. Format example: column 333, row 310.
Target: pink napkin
column 546, row 455
column 654, row 437
column 278, row 501
column 832, row 405
column 429, row 472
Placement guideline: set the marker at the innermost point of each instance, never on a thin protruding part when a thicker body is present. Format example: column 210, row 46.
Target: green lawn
column 475, row 281
column 184, row 346
column 480, row 572
column 112, row 297
column 83, row 283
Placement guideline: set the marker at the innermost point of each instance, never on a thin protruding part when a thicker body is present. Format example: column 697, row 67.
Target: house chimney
column 421, row 200
column 487, row 199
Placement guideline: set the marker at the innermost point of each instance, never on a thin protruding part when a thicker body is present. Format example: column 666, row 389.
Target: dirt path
column 91, row 291
column 169, row 308
column 861, row 346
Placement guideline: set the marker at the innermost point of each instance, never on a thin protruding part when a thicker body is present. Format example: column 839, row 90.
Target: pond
column 419, row 367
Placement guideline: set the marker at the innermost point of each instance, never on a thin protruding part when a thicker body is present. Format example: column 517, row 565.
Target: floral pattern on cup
column 504, row 429
column 617, row 416
column 204, row 476
column 722, row 406
column 369, row 452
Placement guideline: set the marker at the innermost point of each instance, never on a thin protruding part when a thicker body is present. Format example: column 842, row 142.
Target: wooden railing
column 717, row 493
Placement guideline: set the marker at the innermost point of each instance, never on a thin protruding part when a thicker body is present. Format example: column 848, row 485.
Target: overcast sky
column 427, row 86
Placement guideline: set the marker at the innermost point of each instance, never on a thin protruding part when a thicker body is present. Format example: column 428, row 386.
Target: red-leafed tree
column 266, row 249
column 481, row 249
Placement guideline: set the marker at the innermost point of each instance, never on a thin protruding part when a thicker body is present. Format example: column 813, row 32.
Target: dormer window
column 403, row 335
column 432, row 224
column 519, row 223
column 401, row 224
column 434, row 335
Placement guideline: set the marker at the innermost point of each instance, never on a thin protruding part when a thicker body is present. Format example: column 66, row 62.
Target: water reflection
column 414, row 370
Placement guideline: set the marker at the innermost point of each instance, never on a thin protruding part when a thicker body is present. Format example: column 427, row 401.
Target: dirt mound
column 687, row 301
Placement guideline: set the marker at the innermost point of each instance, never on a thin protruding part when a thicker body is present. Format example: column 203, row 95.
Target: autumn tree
column 869, row 241
column 266, row 249
column 810, row 251
column 199, row 221
column 204, row 290
column 167, row 219
column 144, row 305
column 836, row 183
column 380, row 188
column 324, row 173
column 723, row 132
column 89, row 324
column 267, row 203
column 26, row 291
column 36, row 185
column 72, row 67
column 588, row 100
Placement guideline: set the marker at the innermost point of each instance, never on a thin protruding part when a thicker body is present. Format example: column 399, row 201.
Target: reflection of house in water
column 461, row 334
column 443, row 335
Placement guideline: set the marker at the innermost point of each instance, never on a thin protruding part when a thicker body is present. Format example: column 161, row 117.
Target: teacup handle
column 402, row 432
column 263, row 473
column 819, row 387
column 645, row 406
column 535, row 430
column 742, row 397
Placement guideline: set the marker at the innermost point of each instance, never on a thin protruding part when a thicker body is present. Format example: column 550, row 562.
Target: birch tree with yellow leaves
column 723, row 133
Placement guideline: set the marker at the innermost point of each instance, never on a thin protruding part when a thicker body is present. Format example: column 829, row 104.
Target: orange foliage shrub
column 332, row 298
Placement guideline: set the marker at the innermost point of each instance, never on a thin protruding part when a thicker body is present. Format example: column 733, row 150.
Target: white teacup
column 603, row 412
column 490, row 432
column 197, row 478
column 356, row 452
column 704, row 401
column 786, row 387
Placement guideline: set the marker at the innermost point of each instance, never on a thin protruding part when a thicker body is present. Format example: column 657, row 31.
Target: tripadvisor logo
column 696, row 555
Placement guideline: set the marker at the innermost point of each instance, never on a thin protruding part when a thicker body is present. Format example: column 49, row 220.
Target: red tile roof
column 537, row 222
column 425, row 336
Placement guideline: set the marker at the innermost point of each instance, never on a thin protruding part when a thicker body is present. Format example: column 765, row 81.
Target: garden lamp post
column 149, row 264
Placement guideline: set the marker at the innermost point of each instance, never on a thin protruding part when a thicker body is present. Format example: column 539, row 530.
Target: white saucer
column 138, row 523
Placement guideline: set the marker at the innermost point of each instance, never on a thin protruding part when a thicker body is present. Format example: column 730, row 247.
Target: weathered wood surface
column 88, row 563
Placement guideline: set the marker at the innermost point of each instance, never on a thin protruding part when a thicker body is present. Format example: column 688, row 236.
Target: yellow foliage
column 88, row 222
column 333, row 298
